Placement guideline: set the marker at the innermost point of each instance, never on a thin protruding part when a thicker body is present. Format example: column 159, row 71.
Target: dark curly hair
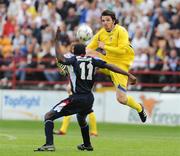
column 111, row 14
column 79, row 49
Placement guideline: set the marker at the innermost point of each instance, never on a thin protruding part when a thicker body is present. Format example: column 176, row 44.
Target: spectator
column 162, row 27
column 1, row 64
column 64, row 37
column 9, row 26
column 27, row 25
column 63, row 7
column 13, row 8
column 132, row 27
column 171, row 63
column 176, row 40
column 2, row 17
column 20, row 63
column 32, row 61
column 60, row 9
column 72, row 20
column 36, row 32
column 139, row 41
column 154, row 63
column 5, row 44
column 93, row 15
column 7, row 66
column 47, row 34
column 48, row 62
column 140, row 63
column 18, row 38
column 83, row 11
column 55, row 18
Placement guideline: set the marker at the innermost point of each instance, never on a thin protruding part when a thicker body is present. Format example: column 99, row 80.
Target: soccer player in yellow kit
column 111, row 43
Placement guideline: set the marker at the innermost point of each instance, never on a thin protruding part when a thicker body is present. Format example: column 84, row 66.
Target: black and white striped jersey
column 82, row 72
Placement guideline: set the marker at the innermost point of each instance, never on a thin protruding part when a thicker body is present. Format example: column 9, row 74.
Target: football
column 84, row 33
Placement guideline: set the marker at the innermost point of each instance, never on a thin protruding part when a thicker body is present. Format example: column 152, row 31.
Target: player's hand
column 100, row 48
column 63, row 70
column 57, row 36
column 132, row 79
column 101, row 44
column 92, row 53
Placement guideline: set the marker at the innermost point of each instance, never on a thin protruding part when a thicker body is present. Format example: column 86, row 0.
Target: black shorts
column 76, row 103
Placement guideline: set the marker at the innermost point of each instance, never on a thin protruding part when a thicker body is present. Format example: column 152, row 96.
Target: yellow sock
column 65, row 123
column 133, row 104
column 92, row 123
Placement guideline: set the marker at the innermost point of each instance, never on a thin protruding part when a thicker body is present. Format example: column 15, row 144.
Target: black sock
column 85, row 135
column 49, row 125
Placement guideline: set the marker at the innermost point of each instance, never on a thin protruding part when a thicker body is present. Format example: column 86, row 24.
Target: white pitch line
column 10, row 137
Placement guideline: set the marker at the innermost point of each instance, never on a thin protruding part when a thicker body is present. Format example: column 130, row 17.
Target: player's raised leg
column 131, row 102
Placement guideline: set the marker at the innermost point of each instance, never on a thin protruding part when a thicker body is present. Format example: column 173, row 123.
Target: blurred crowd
column 27, row 29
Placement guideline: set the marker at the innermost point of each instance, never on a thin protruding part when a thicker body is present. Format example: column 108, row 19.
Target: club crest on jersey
column 110, row 38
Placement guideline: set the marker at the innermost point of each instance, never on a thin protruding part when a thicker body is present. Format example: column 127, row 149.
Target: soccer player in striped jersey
column 66, row 121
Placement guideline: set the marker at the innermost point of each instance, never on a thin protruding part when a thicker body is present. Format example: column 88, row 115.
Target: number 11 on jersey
column 86, row 69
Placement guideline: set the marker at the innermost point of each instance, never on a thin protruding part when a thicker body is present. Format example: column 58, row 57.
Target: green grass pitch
column 19, row 138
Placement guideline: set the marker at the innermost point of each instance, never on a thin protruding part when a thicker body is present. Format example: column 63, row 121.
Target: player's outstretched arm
column 60, row 57
column 132, row 78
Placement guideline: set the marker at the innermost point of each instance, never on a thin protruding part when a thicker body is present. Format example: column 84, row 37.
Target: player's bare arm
column 132, row 78
column 95, row 53
column 91, row 52
column 60, row 57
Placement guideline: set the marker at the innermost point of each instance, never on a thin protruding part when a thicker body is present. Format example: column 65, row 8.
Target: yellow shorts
column 120, row 81
column 124, row 62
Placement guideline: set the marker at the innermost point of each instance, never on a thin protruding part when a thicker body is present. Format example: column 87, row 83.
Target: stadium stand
column 27, row 30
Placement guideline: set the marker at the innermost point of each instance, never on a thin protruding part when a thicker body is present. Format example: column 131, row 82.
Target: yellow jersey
column 117, row 46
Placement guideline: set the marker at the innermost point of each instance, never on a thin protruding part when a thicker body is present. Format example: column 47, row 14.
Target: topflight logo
column 22, row 100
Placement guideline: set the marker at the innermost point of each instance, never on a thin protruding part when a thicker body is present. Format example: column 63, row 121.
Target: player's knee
column 81, row 120
column 122, row 99
column 48, row 116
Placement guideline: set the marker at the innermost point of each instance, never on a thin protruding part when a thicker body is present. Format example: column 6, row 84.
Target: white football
column 84, row 33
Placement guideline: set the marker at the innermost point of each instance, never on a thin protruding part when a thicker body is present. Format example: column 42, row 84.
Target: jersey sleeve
column 93, row 43
column 123, row 42
column 99, row 63
column 69, row 60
